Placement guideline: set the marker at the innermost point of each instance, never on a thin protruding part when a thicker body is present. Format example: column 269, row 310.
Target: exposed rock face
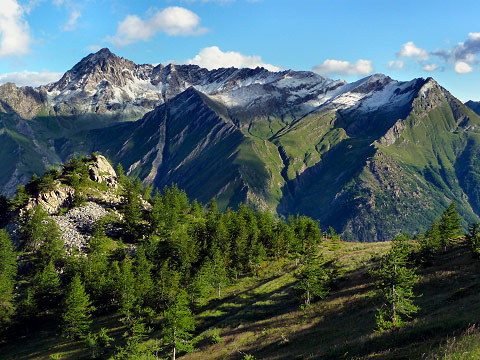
column 102, row 172
column 77, row 225
column 54, row 200
column 23, row 101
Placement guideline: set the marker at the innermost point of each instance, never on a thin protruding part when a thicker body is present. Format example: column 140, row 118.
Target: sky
column 348, row 39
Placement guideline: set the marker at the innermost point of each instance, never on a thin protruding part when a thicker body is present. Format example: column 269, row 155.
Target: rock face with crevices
column 102, row 172
column 54, row 200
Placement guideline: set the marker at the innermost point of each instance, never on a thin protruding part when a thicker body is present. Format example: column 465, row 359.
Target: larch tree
column 8, row 272
column 395, row 281
column 178, row 325
column 450, row 225
column 77, row 311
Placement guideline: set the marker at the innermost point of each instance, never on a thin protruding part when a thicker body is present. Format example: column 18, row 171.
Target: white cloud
column 396, row 64
column 462, row 68
column 30, row 78
column 172, row 20
column 72, row 21
column 430, row 67
column 93, row 48
column 340, row 67
column 15, row 37
column 409, row 49
column 213, row 58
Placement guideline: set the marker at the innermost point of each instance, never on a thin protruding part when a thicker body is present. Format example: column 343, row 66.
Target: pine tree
column 131, row 208
column 178, row 324
column 450, row 225
column 473, row 237
column 430, row 243
column 77, row 311
column 126, row 286
column 95, row 273
column 143, row 278
column 47, row 287
column 313, row 277
column 8, row 272
column 396, row 278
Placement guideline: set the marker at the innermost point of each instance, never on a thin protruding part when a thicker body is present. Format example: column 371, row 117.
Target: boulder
column 102, row 172
column 53, row 201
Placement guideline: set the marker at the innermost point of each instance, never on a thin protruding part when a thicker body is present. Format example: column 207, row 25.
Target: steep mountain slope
column 474, row 105
column 370, row 158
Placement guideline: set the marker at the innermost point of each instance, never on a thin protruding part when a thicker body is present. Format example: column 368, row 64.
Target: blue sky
column 40, row 39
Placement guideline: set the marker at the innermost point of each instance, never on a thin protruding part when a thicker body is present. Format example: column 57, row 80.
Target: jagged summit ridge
column 104, row 83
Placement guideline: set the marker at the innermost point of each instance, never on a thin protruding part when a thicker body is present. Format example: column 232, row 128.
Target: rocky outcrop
column 101, row 171
column 25, row 101
column 53, row 201
column 78, row 224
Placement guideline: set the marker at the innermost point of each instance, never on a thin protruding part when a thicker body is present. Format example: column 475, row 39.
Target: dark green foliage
column 313, row 277
column 126, row 287
column 473, row 237
column 46, row 287
column 136, row 332
column 132, row 208
column 77, row 309
column 5, row 207
column 96, row 268
column 450, row 225
column 430, row 243
column 98, row 342
column 8, row 272
column 178, row 324
column 21, row 198
column 396, row 279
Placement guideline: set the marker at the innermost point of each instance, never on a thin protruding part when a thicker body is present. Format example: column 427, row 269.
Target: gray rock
column 78, row 224
column 102, row 172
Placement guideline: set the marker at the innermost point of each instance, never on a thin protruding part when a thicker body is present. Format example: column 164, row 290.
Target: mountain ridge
column 356, row 156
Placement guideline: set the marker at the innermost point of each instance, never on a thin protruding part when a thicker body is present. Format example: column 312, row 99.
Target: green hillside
column 226, row 285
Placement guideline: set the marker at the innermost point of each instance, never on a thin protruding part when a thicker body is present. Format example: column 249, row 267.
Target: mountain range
column 370, row 158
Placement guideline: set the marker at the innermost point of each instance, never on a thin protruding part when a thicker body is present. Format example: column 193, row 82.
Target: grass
column 261, row 315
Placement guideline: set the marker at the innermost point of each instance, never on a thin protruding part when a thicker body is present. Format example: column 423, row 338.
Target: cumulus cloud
column 340, row 67
column 30, row 78
column 430, row 67
column 465, row 51
column 396, row 64
column 213, row 58
column 462, row 67
column 409, row 49
column 15, row 37
column 72, row 21
column 172, row 21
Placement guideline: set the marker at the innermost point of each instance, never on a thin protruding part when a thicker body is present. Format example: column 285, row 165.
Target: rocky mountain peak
column 376, row 82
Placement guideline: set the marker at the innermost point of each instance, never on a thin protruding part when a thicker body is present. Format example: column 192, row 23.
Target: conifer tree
column 8, row 272
column 47, row 287
column 178, row 324
column 450, row 225
column 430, row 243
column 396, row 278
column 95, row 273
column 143, row 278
column 313, row 277
column 126, row 286
column 77, row 311
column 131, row 208
column 473, row 237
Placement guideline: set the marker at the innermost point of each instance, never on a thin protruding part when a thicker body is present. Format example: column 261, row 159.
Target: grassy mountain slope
column 382, row 178
column 261, row 316
column 368, row 173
